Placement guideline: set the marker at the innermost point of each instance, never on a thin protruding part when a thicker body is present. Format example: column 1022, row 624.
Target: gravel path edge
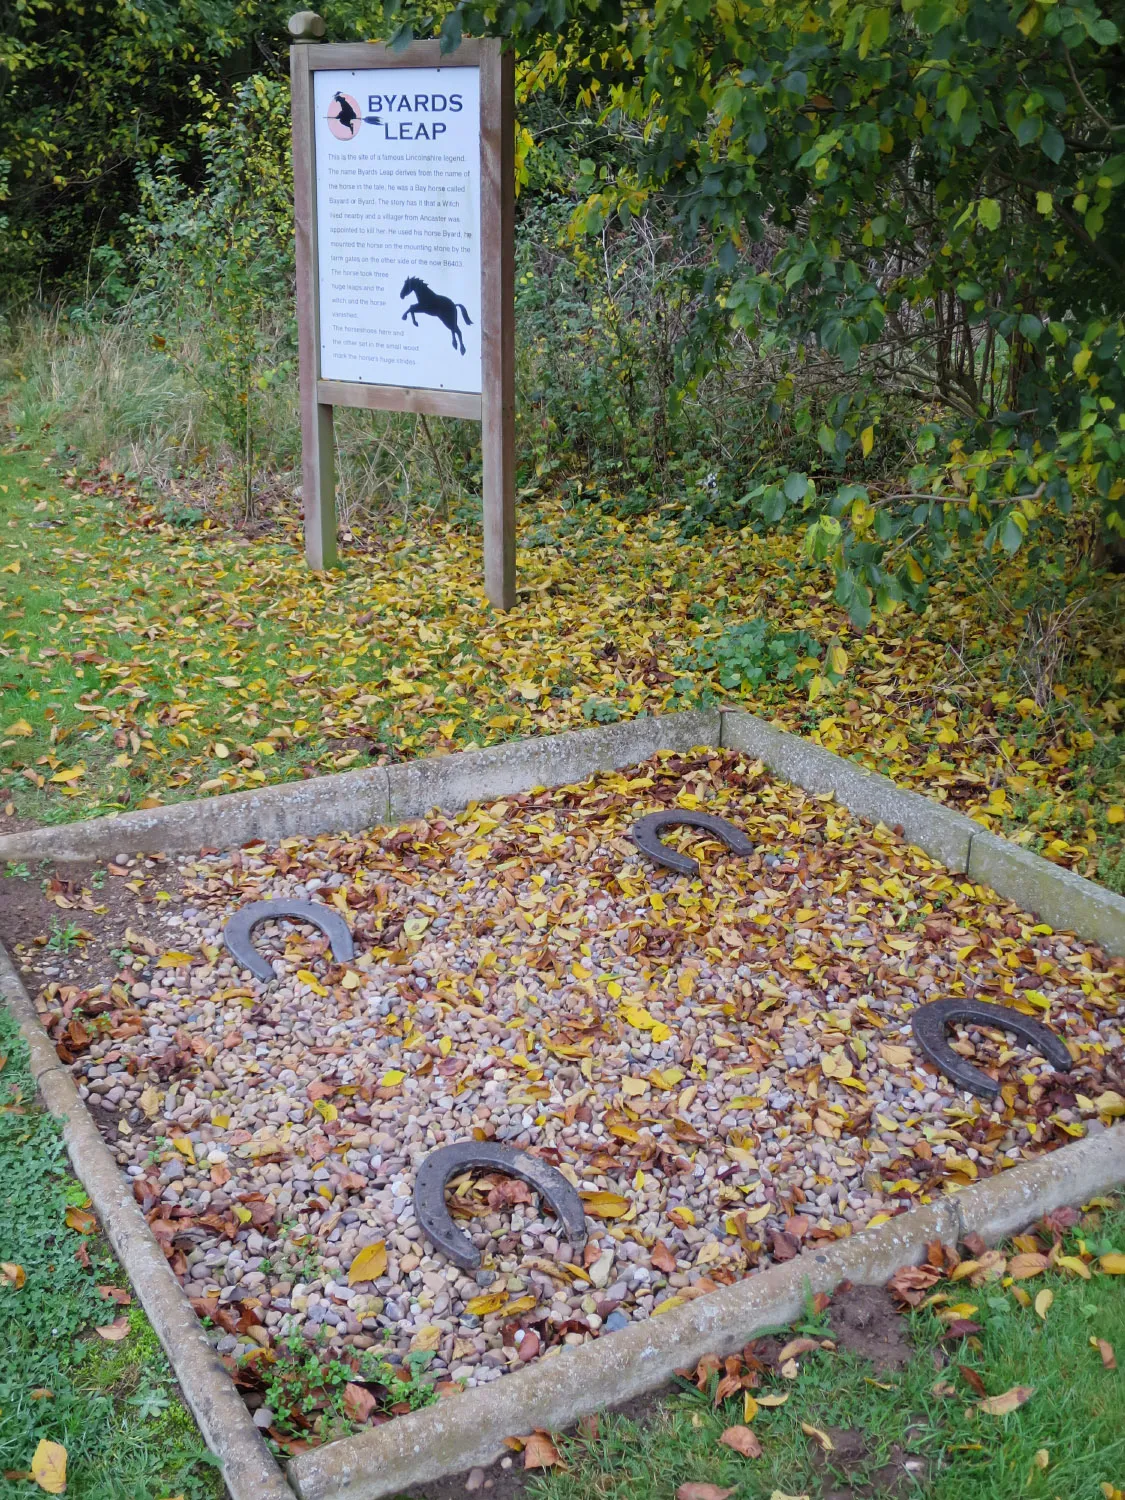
column 470, row 1429
column 249, row 1471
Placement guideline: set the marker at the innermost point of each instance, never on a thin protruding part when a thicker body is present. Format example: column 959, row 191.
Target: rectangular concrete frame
column 354, row 800
column 470, row 1429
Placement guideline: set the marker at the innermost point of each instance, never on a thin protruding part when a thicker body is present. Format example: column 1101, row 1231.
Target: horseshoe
column 447, row 1161
column 236, row 934
column 645, row 833
column 929, row 1024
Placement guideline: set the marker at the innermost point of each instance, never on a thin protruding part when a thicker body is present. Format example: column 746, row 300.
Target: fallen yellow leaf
column 487, row 1302
column 369, row 1264
column 821, row 1436
column 184, row 1146
column 1072, row 1263
column 606, row 1205
column 1043, row 1302
column 48, row 1467
column 1001, row 1406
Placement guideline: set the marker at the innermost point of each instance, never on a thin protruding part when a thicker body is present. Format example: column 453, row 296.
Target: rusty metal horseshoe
column 236, row 934
column 929, row 1023
column 645, row 833
column 444, row 1163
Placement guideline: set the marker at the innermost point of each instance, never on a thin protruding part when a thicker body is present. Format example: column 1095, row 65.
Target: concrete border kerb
column 248, row 1469
column 354, row 800
column 470, row 1429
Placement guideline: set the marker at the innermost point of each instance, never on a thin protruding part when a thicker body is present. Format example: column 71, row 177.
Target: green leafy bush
column 754, row 653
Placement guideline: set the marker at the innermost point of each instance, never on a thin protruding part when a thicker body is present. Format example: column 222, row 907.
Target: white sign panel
column 398, row 226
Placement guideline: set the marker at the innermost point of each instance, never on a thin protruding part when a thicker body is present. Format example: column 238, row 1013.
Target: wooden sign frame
column 494, row 408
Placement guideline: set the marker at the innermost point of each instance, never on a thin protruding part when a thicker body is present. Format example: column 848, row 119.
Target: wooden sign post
column 403, row 170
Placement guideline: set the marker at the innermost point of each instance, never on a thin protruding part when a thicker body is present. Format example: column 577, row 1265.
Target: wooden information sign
column 403, row 169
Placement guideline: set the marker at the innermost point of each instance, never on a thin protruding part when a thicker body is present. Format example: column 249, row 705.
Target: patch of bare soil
column 865, row 1321
column 848, row 1474
column 67, row 922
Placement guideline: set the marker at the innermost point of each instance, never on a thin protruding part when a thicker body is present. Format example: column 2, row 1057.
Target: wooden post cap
column 306, row 26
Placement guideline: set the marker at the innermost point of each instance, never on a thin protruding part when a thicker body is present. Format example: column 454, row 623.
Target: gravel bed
column 723, row 1066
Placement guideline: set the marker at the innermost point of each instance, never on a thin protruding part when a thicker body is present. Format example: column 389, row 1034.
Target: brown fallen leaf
column 42, row 1393
column 48, row 1467
column 540, row 1452
column 114, row 1332
column 960, row 1330
column 662, row 1258
column 699, row 1491
column 972, row 1379
column 989, row 1267
column 12, row 1275
column 530, row 1345
column 821, row 1436
column 910, row 1283
column 1020, row 1267
column 1000, row 1406
column 743, row 1441
column 116, row 1294
column 507, row 1193
column 1105, row 1349
column 359, row 1403
column 79, row 1219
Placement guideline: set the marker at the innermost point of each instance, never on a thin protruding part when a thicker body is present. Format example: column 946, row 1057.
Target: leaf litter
column 723, row 1066
column 223, row 664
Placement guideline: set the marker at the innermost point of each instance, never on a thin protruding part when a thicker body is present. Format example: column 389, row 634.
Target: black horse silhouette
column 347, row 116
column 436, row 306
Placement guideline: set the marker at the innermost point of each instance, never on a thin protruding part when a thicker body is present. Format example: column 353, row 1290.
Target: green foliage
column 217, row 261
column 929, row 196
column 303, row 1389
column 93, row 93
column 754, row 653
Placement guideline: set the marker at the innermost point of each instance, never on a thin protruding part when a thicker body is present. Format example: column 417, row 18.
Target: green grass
column 151, row 653
column 113, row 1406
column 1077, row 1413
